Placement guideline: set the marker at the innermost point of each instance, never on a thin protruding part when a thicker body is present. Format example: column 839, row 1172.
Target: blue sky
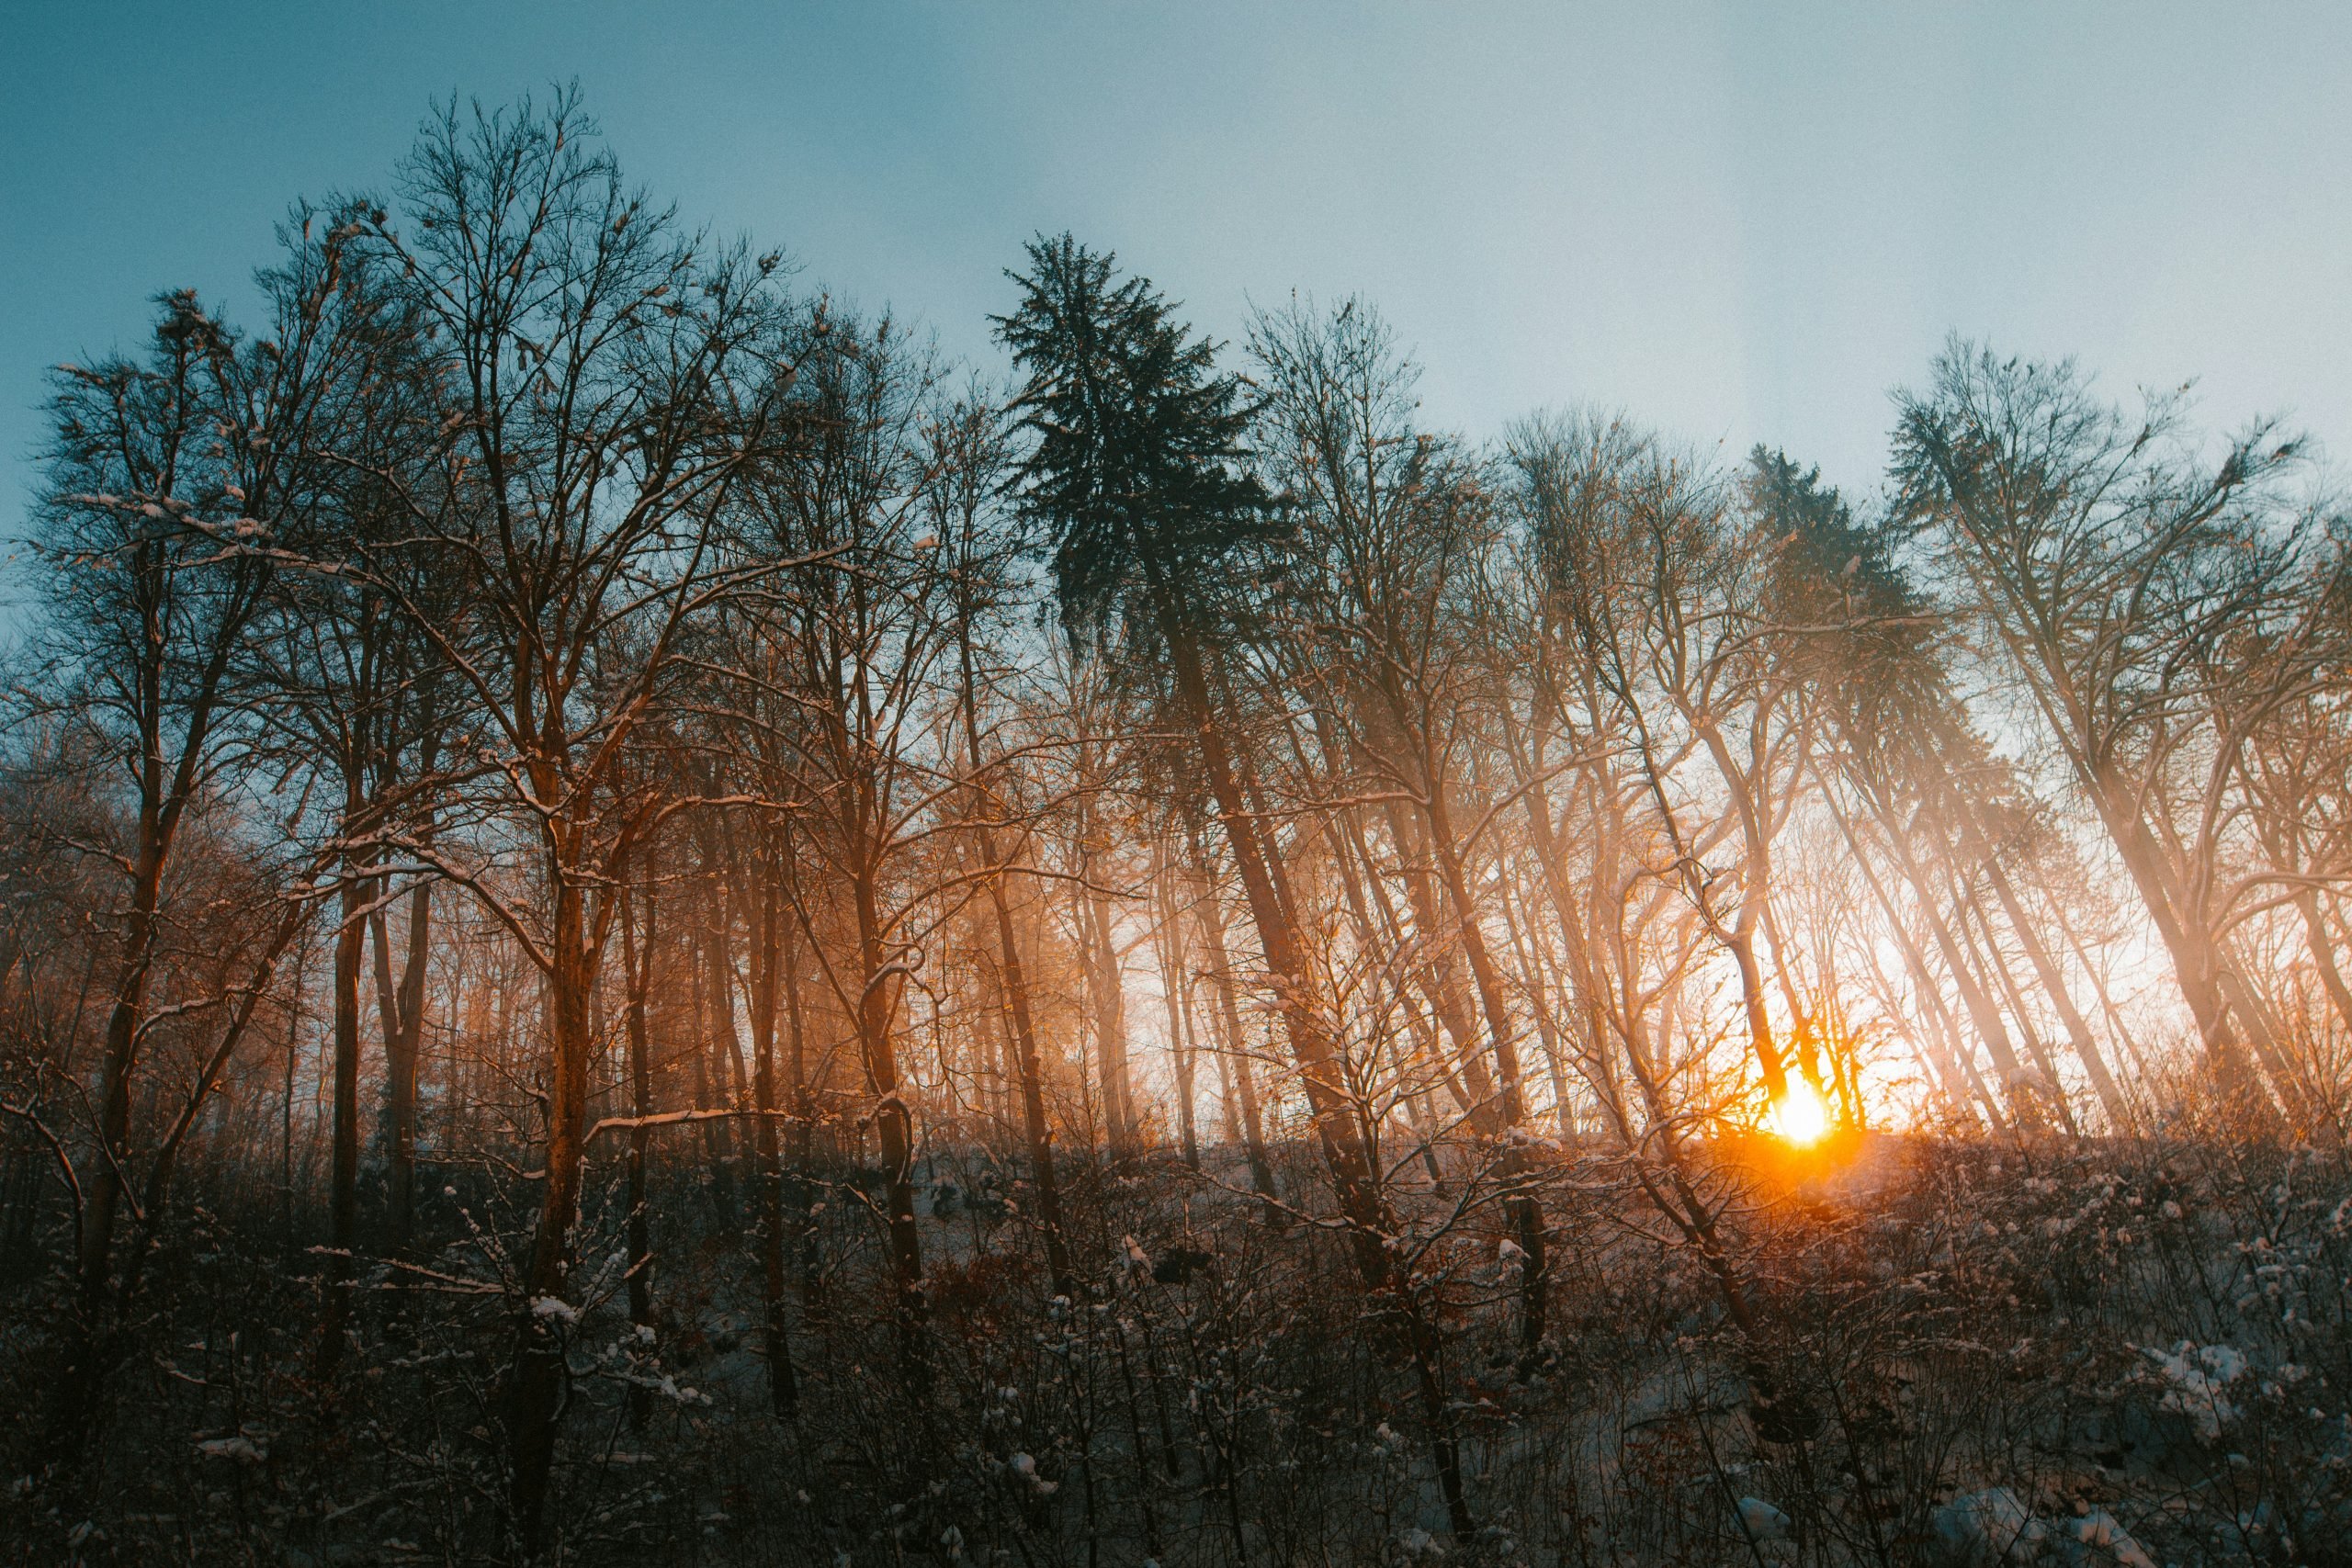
column 1736, row 224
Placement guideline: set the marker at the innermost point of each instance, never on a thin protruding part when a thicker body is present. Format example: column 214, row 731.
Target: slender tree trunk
column 1036, row 1129
column 2196, row 966
column 1228, row 1113
column 343, row 1199
column 767, row 939
column 2247, row 1001
column 1211, row 916
column 1948, row 1055
column 285, row 1117
column 400, row 1007
column 1337, row 1124
column 726, row 1037
column 1378, row 926
column 804, row 1124
column 74, row 1403
column 1106, row 984
column 1582, row 977
column 2053, row 985
column 712, row 993
column 1439, row 981
column 1525, row 1211
column 155, row 1201
column 1990, row 962
column 1738, row 938
column 1013, row 975
column 1539, row 1001
column 2107, row 1010
column 1179, row 1009
column 1485, row 975
column 637, row 958
column 542, row 1321
column 877, row 1005
column 1288, row 969
column 2022, row 1104
column 1953, row 1067
column 2323, row 951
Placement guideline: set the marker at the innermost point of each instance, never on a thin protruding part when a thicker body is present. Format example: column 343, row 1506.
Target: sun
column 1799, row 1117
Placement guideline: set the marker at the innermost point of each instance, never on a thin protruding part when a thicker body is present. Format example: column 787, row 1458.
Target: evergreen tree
column 1136, row 474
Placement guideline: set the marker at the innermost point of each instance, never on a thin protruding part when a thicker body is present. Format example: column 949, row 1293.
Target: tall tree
column 168, row 473
column 2123, row 578
column 600, row 381
column 1137, row 468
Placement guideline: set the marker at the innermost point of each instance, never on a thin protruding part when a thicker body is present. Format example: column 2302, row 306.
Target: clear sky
column 1736, row 224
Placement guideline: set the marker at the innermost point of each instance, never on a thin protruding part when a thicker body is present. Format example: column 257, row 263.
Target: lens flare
column 1799, row 1117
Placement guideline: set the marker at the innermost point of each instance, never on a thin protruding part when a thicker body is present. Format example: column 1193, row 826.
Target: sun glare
column 1799, row 1117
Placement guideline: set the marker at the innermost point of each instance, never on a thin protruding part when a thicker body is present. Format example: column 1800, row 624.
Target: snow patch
column 241, row 1449
column 2096, row 1540
column 1762, row 1521
column 2194, row 1379
column 1986, row 1528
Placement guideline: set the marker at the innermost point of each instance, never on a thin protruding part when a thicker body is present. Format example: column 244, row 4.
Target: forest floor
column 2123, row 1353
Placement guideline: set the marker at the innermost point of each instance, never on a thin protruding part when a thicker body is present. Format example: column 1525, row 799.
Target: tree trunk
column 711, row 992
column 343, row 1197
column 718, row 947
column 637, row 959
column 1953, row 1070
column 1036, row 1128
column 1511, row 1163
column 1179, row 1012
column 2196, row 966
column 1436, row 973
column 2323, row 951
column 767, row 940
column 1106, row 984
column 74, row 1406
column 1338, row 1127
column 1229, row 1112
column 1012, row 978
column 1538, row 1002
column 1211, row 915
column 1582, row 977
column 893, row 1121
column 402, row 1009
column 540, row 1375
column 2053, row 985
column 1377, row 924
column 2021, row 1105
column 2310, row 1107
column 804, row 1120
column 1992, row 962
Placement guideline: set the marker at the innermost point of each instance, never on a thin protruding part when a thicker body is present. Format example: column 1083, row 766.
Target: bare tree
column 599, row 383
column 2113, row 572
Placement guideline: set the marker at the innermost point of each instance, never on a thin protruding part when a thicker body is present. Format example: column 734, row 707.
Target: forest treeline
column 574, row 807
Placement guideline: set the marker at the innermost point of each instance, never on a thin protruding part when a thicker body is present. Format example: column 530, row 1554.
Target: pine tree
column 1137, row 474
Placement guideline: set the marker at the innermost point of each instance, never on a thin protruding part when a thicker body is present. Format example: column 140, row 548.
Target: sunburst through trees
column 645, row 923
